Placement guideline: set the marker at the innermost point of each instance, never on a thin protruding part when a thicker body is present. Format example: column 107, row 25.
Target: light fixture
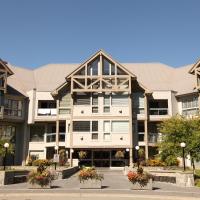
column 72, row 150
column 137, row 148
column 127, row 150
column 6, row 145
column 81, row 138
column 183, row 145
column 56, row 147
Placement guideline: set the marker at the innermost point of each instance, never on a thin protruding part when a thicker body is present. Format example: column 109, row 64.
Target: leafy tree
column 176, row 130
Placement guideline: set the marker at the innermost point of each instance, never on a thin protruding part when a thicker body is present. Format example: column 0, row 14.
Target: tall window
column 106, row 103
column 107, row 131
column 37, row 133
column 138, row 102
column 93, row 68
column 13, row 107
column 7, row 132
column 108, row 68
column 190, row 106
column 95, row 103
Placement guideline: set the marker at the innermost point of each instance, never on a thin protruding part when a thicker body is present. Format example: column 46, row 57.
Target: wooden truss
column 89, row 78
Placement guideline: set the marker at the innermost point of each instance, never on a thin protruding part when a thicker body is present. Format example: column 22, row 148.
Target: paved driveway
column 114, row 183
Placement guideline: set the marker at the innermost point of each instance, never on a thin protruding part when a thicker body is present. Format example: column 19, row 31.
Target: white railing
column 153, row 137
column 51, row 137
column 47, row 111
column 158, row 111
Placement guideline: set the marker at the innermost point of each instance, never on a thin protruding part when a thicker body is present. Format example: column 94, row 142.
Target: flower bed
column 89, row 178
column 140, row 179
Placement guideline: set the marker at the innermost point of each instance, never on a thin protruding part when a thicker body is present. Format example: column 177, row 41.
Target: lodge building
column 100, row 106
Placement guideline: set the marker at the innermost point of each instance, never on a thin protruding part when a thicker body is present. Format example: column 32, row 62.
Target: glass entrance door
column 101, row 158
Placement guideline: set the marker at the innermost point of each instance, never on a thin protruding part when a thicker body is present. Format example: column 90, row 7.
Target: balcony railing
column 51, row 137
column 1, row 112
column 153, row 137
column 47, row 111
column 158, row 111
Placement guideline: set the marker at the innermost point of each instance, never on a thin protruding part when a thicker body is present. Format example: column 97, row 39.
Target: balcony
column 158, row 107
column 1, row 112
column 51, row 137
column 47, row 111
column 154, row 137
column 158, row 111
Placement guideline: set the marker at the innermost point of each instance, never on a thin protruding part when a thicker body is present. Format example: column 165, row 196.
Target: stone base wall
column 8, row 177
column 91, row 184
column 137, row 186
column 184, row 179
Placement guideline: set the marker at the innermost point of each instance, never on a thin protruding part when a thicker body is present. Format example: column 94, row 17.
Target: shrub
column 155, row 162
column 197, row 182
column 119, row 154
column 82, row 154
column 62, row 157
column 89, row 173
column 171, row 161
column 39, row 162
column 140, row 177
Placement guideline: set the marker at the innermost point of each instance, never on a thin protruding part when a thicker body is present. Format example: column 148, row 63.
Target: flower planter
column 91, row 184
column 137, row 186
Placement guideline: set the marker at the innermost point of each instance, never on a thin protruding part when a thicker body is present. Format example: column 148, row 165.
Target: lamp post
column 71, row 157
column 183, row 148
column 137, row 155
column 56, row 155
column 6, row 145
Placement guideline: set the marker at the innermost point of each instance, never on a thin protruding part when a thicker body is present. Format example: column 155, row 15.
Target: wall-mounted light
column 82, row 111
column 121, row 138
column 120, row 111
column 81, row 137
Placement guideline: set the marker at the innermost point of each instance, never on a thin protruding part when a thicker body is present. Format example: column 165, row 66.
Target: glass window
column 81, row 126
column 120, row 126
column 120, row 99
column 107, row 100
column 190, row 106
column 94, row 136
column 13, row 107
column 37, row 133
column 107, row 136
column 106, row 126
column 93, row 68
column 94, row 126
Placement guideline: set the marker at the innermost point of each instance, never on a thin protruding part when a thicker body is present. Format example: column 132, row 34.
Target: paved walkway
column 114, row 184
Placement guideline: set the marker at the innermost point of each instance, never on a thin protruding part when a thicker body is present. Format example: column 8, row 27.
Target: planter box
column 137, row 186
column 91, row 184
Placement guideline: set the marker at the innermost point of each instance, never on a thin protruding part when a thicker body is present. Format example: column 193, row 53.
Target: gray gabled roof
column 154, row 76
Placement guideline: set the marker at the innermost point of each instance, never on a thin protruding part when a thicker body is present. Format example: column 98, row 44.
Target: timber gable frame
column 82, row 81
column 4, row 73
column 195, row 70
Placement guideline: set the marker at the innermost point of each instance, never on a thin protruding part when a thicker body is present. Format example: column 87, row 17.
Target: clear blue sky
column 37, row 32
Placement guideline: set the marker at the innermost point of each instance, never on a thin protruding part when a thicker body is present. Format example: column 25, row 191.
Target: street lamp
column 183, row 147
column 56, row 155
column 6, row 145
column 137, row 155
column 71, row 157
